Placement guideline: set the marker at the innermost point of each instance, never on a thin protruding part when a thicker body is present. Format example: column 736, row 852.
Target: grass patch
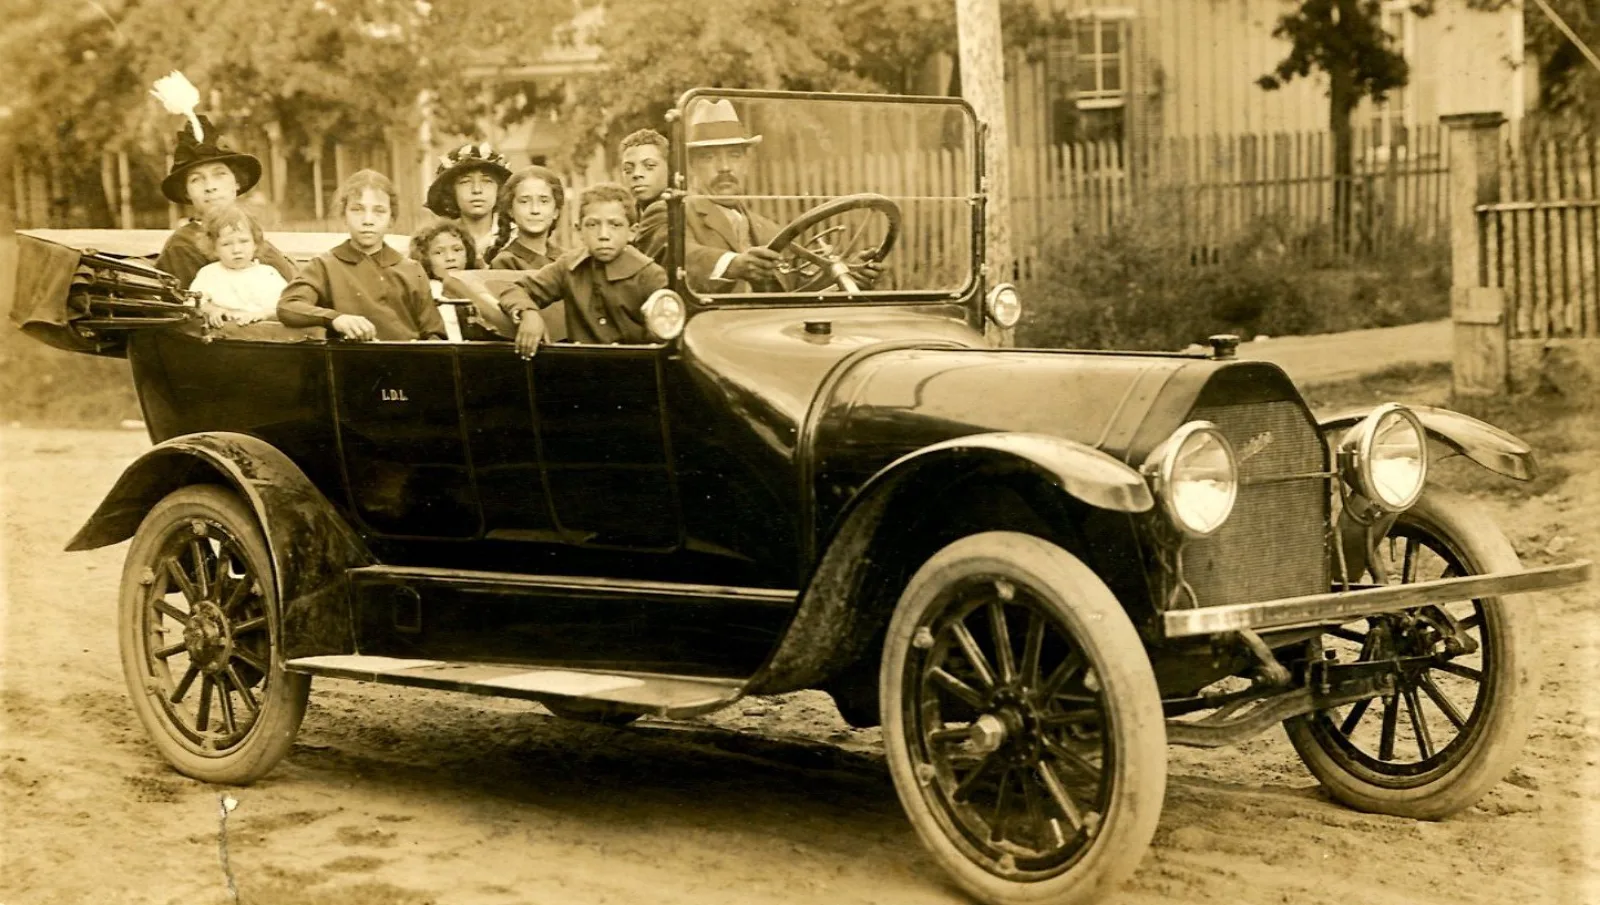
column 1417, row 383
column 1554, row 426
column 45, row 387
column 1143, row 285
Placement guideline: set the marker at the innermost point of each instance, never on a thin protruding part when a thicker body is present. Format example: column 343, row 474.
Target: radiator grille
column 1273, row 545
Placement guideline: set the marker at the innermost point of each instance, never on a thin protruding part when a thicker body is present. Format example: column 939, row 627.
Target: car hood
column 885, row 382
column 766, row 368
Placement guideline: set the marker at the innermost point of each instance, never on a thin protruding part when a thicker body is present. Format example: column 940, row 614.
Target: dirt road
column 409, row 797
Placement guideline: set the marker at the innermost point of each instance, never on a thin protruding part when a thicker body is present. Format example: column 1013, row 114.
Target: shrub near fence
column 1216, row 188
column 1138, row 286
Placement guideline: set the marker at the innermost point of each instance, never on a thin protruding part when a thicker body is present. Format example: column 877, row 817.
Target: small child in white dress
column 237, row 288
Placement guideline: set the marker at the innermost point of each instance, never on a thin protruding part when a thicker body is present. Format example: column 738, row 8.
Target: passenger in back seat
column 530, row 202
column 604, row 285
column 237, row 288
column 644, row 170
column 207, row 176
column 363, row 289
column 466, row 184
column 443, row 247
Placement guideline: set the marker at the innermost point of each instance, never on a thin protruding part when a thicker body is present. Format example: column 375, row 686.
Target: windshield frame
column 678, row 192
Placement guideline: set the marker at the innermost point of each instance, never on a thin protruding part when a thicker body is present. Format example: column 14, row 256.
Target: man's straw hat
column 715, row 123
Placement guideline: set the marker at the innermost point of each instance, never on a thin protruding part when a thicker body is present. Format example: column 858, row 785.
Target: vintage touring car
column 1034, row 568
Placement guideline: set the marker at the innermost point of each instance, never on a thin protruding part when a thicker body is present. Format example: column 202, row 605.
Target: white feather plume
column 180, row 96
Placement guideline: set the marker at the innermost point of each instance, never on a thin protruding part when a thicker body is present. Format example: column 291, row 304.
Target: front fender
column 1084, row 472
column 1489, row 446
column 838, row 615
column 310, row 544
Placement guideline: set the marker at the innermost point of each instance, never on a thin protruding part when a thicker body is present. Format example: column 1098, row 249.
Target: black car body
column 823, row 486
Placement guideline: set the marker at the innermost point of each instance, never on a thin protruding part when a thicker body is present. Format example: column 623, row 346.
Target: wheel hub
column 207, row 637
column 988, row 733
column 1013, row 723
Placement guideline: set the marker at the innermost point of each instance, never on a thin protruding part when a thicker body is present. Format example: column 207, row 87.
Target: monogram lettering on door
column 387, row 395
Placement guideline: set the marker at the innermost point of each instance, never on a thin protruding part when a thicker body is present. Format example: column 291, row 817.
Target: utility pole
column 983, row 81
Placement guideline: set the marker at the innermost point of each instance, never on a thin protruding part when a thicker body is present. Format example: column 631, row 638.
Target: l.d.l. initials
column 393, row 395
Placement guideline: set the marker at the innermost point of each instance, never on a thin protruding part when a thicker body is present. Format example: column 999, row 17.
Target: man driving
column 726, row 243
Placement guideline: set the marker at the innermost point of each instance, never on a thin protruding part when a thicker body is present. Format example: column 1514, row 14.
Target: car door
column 602, row 430
column 401, row 436
column 497, row 403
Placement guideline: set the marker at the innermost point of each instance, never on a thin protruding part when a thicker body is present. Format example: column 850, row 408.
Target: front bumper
column 1342, row 606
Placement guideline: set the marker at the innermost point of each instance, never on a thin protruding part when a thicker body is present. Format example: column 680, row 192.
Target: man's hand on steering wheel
column 756, row 264
column 823, row 262
column 865, row 269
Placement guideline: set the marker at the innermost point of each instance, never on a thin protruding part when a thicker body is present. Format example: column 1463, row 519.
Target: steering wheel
column 823, row 263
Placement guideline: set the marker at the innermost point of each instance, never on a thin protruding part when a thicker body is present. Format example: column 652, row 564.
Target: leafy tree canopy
column 1569, row 85
column 655, row 49
column 80, row 71
column 1343, row 38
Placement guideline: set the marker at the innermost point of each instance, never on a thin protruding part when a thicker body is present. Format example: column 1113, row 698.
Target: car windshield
column 827, row 182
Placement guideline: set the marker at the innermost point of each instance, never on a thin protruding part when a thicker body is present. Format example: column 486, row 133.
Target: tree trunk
column 1342, row 102
column 108, row 179
column 124, row 191
column 1340, row 106
column 982, row 65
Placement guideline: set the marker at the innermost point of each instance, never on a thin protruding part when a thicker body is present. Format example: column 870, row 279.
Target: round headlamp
column 664, row 315
column 1385, row 457
column 1003, row 305
column 1196, row 477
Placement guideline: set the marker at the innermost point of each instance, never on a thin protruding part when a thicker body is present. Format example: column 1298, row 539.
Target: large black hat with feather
column 198, row 141
column 192, row 152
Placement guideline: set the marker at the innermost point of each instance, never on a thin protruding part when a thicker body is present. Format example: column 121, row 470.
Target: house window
column 1389, row 122
column 1089, row 78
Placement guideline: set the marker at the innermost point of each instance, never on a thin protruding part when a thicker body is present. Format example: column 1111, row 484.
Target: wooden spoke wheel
column 200, row 639
column 1022, row 722
column 1462, row 690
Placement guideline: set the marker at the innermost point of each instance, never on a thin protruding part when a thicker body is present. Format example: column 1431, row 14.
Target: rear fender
column 1497, row 450
column 840, row 612
column 310, row 544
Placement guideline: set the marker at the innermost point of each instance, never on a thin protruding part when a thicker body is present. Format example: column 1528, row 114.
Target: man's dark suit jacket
column 710, row 236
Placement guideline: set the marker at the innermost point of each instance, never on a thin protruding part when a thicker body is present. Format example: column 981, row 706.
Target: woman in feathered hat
column 466, row 184
column 206, row 176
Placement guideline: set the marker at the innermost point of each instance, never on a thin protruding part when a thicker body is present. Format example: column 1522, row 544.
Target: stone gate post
column 1480, row 323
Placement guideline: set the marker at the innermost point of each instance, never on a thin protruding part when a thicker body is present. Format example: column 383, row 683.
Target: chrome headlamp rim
column 655, row 308
column 1356, row 456
column 992, row 308
column 1163, row 462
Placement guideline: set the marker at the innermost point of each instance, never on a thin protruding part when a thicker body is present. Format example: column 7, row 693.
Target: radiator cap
column 1224, row 345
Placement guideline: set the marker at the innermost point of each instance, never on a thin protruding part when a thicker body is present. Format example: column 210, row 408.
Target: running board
column 666, row 696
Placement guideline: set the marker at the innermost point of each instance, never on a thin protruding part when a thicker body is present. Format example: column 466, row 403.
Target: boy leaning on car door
column 604, row 285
